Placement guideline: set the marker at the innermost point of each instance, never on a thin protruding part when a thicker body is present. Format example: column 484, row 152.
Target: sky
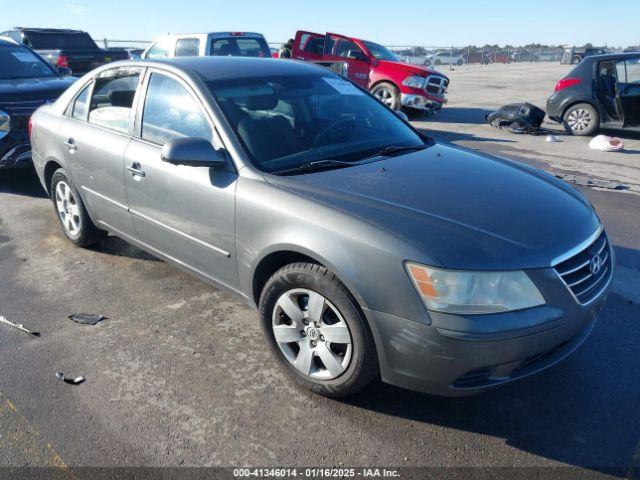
column 390, row 22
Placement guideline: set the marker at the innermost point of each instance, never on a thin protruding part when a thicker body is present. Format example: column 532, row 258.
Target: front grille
column 20, row 112
column 436, row 85
column 580, row 275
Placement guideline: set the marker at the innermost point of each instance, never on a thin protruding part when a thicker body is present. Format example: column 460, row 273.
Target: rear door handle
column 70, row 145
column 136, row 170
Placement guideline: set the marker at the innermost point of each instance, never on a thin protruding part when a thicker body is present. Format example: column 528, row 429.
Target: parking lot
column 179, row 374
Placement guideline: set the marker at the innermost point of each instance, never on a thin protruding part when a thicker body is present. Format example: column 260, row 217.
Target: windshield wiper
column 397, row 148
column 316, row 165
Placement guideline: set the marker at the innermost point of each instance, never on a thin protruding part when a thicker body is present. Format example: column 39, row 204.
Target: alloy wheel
column 385, row 96
column 68, row 209
column 579, row 120
column 312, row 334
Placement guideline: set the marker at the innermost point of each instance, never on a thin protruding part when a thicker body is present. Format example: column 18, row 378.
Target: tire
column 581, row 119
column 388, row 94
column 351, row 366
column 71, row 212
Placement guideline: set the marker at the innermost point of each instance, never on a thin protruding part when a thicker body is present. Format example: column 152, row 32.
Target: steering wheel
column 328, row 129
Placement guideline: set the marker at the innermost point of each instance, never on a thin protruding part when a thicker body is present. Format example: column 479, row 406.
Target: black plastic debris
column 518, row 118
column 70, row 380
column 19, row 326
column 87, row 318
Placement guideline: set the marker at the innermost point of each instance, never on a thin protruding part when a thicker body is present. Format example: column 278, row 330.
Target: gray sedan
column 369, row 249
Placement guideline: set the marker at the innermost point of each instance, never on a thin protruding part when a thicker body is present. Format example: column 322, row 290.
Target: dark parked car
column 72, row 49
column 26, row 82
column 577, row 56
column 368, row 248
column 601, row 91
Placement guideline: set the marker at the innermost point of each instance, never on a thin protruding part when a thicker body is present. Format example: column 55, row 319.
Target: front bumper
column 457, row 355
column 420, row 102
column 15, row 150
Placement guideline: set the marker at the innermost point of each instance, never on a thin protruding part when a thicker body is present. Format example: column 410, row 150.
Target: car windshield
column 18, row 62
column 289, row 121
column 380, row 52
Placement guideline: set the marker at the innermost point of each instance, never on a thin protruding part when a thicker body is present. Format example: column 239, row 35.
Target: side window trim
column 68, row 112
column 144, row 89
column 132, row 114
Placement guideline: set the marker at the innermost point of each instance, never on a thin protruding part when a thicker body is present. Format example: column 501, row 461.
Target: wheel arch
column 50, row 168
column 384, row 80
column 279, row 256
column 573, row 103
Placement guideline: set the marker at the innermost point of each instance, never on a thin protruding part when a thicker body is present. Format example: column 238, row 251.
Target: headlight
column 467, row 292
column 414, row 81
column 5, row 124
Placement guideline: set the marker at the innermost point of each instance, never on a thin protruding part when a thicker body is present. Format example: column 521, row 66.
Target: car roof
column 47, row 30
column 223, row 68
column 7, row 41
column 612, row 56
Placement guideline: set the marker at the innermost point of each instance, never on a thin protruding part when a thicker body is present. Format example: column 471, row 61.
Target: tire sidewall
column 318, row 279
column 58, row 176
column 594, row 113
column 394, row 92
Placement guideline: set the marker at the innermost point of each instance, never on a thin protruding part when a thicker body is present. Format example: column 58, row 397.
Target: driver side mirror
column 191, row 151
column 357, row 55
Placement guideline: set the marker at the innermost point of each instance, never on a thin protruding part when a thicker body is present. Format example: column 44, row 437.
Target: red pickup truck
column 374, row 67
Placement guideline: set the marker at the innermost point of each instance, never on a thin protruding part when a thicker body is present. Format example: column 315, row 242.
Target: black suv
column 601, row 91
column 26, row 82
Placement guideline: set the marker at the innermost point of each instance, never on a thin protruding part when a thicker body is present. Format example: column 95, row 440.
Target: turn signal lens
column 467, row 292
column 566, row 83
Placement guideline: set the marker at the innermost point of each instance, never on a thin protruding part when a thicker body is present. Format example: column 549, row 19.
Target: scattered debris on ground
column 606, row 143
column 552, row 139
column 70, row 380
column 19, row 326
column 592, row 182
column 518, row 118
column 87, row 318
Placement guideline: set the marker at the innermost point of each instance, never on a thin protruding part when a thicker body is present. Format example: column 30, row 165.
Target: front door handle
column 136, row 170
column 70, row 145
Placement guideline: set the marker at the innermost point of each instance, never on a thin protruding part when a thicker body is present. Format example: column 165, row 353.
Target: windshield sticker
column 342, row 86
column 24, row 57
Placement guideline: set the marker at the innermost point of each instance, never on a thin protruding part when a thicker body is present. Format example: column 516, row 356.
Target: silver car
column 369, row 249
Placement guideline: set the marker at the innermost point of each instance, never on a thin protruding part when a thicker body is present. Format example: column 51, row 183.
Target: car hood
column 30, row 89
column 462, row 209
column 410, row 69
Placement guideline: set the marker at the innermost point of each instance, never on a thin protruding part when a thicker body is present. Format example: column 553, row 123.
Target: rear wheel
column 71, row 213
column 388, row 94
column 316, row 330
column 581, row 119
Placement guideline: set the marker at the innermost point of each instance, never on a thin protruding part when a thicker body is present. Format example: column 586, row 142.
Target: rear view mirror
column 195, row 152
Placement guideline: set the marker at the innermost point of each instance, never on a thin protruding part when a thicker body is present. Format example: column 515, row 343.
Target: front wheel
column 581, row 119
column 71, row 212
column 316, row 331
column 388, row 94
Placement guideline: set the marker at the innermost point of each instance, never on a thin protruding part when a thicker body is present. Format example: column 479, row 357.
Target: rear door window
column 112, row 99
column 170, row 112
column 187, row 47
